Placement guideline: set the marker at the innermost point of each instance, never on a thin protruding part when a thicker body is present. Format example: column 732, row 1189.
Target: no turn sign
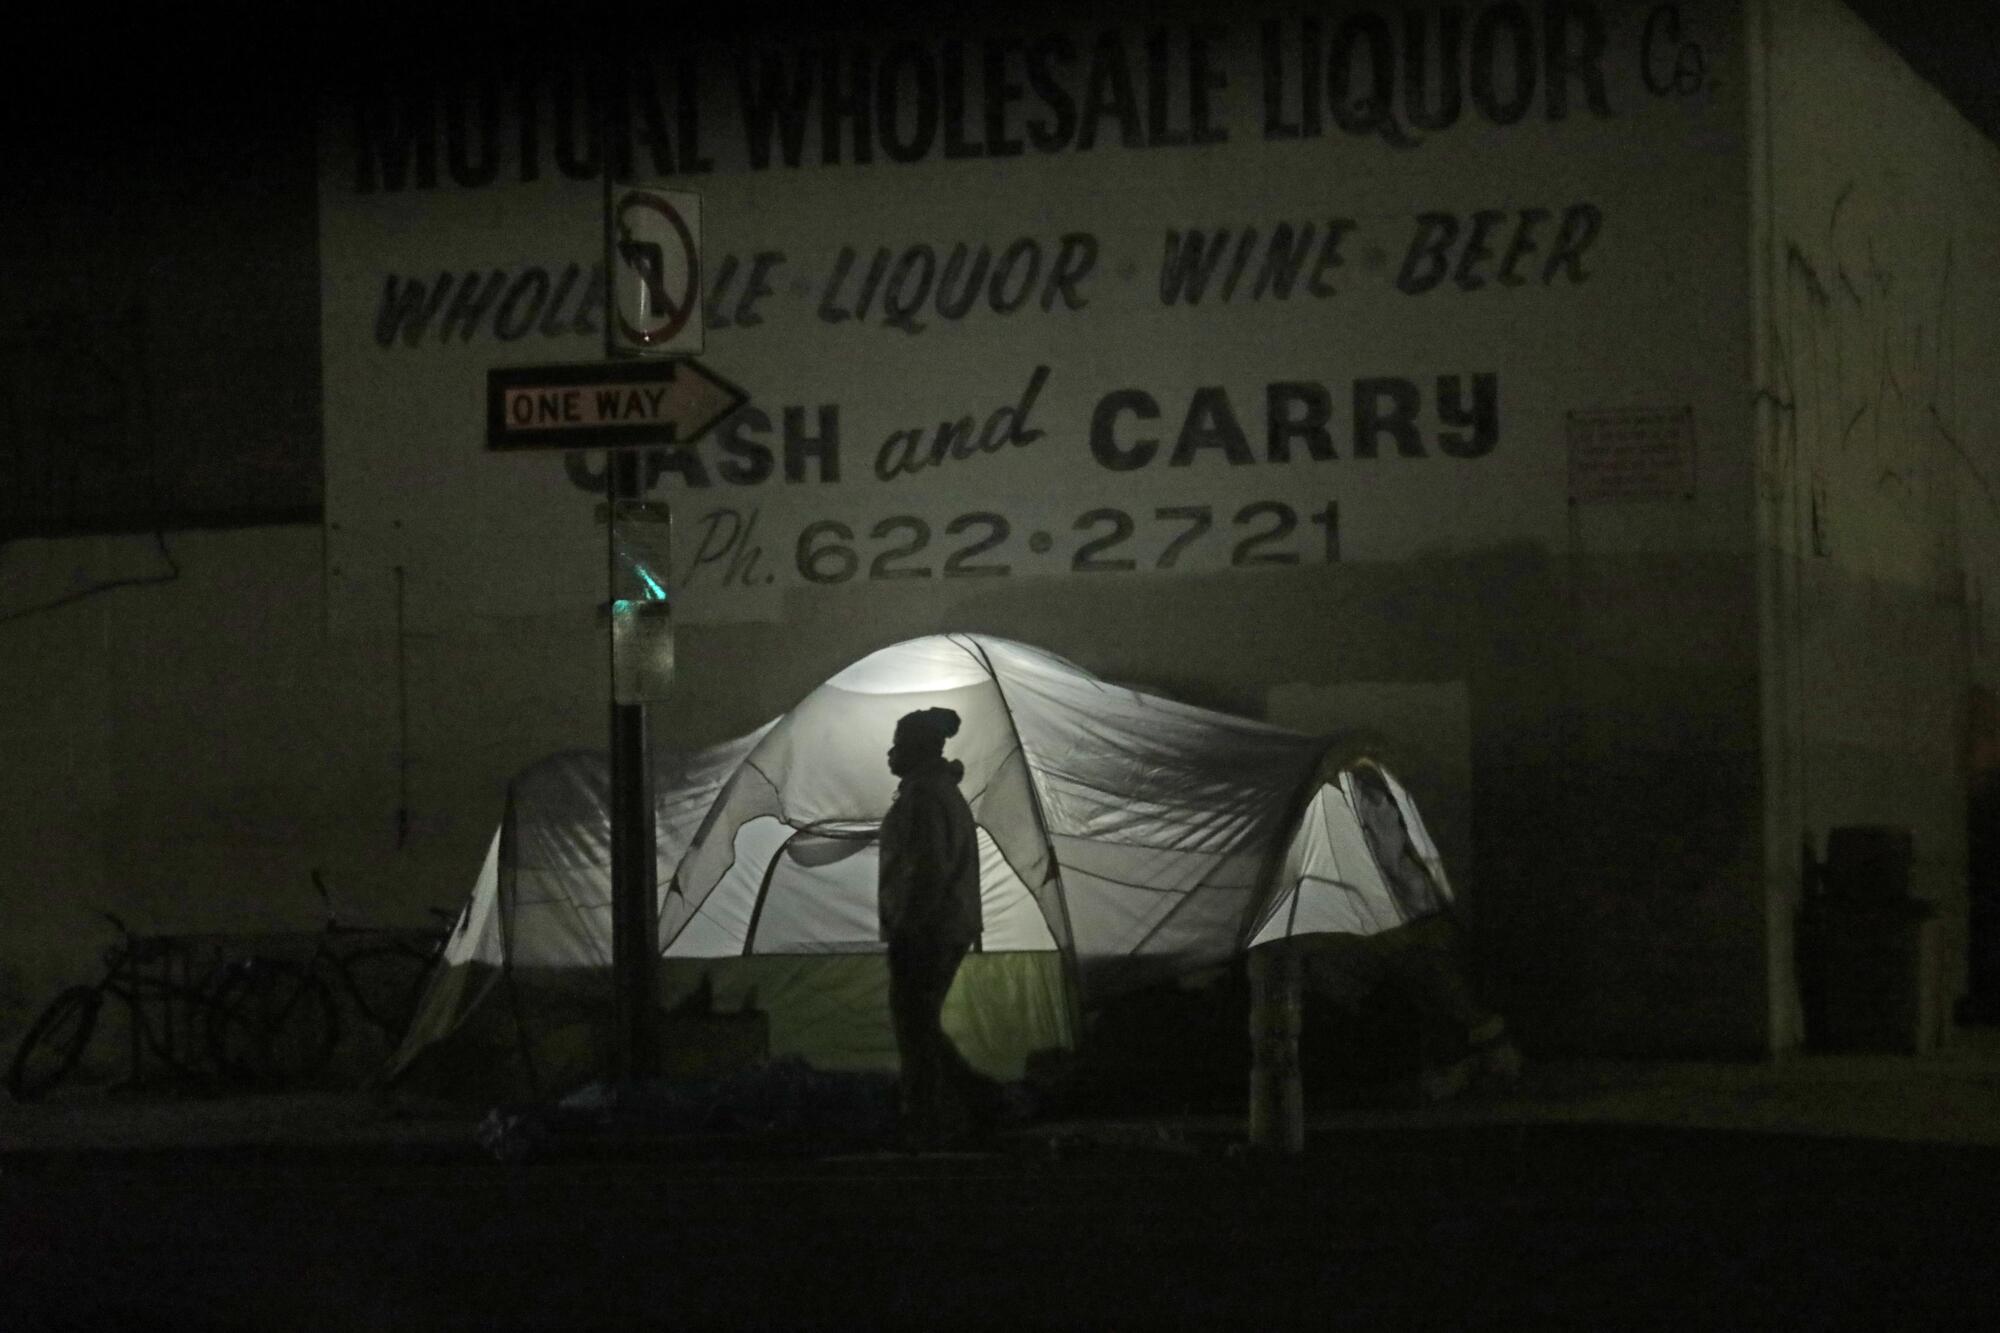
column 653, row 257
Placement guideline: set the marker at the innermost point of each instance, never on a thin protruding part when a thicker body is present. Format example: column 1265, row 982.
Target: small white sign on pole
column 652, row 255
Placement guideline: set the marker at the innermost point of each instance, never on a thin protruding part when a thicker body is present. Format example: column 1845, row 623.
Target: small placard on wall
column 1631, row 453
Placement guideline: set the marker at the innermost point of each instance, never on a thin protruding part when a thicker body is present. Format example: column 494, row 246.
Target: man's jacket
column 928, row 885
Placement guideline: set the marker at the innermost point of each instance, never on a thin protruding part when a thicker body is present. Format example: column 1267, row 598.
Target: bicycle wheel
column 272, row 1022
column 54, row 1043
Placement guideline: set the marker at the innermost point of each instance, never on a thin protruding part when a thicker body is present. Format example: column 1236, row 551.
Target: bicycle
column 272, row 1022
column 383, row 970
column 279, row 1021
column 55, row 1042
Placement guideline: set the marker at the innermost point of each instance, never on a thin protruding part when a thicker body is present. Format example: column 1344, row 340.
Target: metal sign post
column 622, row 407
column 647, row 392
column 634, row 874
column 652, row 309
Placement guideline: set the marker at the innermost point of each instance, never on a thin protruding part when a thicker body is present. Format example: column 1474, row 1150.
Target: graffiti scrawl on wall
column 1864, row 368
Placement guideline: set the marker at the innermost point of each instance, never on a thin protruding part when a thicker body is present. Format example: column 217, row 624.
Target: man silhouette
column 928, row 899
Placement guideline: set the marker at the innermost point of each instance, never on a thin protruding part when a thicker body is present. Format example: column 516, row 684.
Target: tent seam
column 764, row 893
column 1066, row 947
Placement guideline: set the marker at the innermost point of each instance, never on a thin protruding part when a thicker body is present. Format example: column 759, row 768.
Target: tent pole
column 507, row 866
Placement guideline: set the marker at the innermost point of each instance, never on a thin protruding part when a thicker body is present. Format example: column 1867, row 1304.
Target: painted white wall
column 1636, row 322
column 1604, row 653
column 1605, row 646
column 1877, row 227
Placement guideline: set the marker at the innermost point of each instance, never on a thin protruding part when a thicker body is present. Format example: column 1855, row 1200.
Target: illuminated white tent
column 1125, row 838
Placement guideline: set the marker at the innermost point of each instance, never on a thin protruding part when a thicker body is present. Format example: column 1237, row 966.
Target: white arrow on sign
column 605, row 404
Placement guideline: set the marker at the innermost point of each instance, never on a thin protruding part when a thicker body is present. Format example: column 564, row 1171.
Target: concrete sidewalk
column 1949, row 1097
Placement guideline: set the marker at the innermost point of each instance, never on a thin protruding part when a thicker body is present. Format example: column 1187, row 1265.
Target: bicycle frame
column 346, row 950
column 162, row 1015
column 244, row 1012
column 166, row 1014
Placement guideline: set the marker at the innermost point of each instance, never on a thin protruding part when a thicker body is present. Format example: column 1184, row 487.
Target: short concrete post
column 1277, row 1102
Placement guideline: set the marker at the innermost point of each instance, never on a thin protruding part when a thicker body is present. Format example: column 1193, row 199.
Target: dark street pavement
column 1822, row 1192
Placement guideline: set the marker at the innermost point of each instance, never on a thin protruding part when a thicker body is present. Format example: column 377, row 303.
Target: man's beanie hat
column 927, row 727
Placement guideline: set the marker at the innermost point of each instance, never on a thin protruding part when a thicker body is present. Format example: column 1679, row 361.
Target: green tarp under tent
column 1126, row 839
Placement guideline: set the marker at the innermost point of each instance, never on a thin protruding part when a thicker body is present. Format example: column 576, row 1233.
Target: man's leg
column 967, row 1099
column 908, row 1000
column 920, row 976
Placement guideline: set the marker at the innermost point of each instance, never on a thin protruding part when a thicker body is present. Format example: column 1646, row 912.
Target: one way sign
column 605, row 404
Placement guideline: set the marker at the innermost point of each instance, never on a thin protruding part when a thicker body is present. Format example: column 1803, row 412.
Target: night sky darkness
column 217, row 63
